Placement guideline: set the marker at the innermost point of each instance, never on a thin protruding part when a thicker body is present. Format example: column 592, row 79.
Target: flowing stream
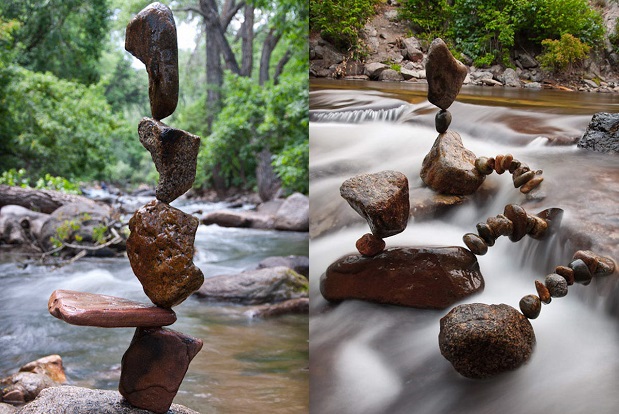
column 246, row 365
column 373, row 359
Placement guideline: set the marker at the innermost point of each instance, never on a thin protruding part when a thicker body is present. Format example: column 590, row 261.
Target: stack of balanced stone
column 160, row 247
column 450, row 168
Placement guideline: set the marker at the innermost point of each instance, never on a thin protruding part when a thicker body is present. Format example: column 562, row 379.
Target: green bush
column 20, row 178
column 426, row 16
column 563, row 54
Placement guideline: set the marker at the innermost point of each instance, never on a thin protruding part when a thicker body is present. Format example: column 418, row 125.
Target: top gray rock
column 151, row 37
column 445, row 75
column 381, row 198
column 602, row 134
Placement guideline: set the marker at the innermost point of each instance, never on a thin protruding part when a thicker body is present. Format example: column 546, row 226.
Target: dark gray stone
column 299, row 264
column 602, row 134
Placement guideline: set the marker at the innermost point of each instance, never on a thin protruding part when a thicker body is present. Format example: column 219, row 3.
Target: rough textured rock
column 370, row 245
column 299, row 264
column 76, row 400
column 7, row 409
column 390, row 75
column 50, row 365
column 292, row 306
column 90, row 309
column 483, row 340
column 406, row 276
column 175, row 154
column 154, row 366
column 449, row 168
column 445, row 75
column 239, row 218
column 510, row 78
column 18, row 225
column 160, row 250
column 381, row 198
column 602, row 134
column 255, row 287
column 373, row 70
column 293, row 215
column 24, row 387
column 151, row 37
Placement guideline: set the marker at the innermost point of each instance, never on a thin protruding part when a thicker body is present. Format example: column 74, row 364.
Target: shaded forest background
column 70, row 99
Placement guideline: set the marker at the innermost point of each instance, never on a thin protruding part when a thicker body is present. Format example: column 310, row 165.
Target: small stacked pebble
column 584, row 266
column 515, row 223
column 382, row 199
column 160, row 247
column 522, row 176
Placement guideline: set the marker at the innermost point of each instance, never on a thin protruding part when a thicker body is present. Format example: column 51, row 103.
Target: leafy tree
column 564, row 53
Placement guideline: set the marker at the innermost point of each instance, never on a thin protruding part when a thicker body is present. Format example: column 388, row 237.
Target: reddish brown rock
column 598, row 265
column 500, row 225
column 536, row 227
column 475, row 244
column 90, row 309
column 542, row 292
column 406, row 276
column 531, row 184
column 151, row 37
column 566, row 273
column 50, row 365
column 160, row 250
column 154, row 366
column 445, row 75
column 381, row 198
column 175, row 154
column 518, row 216
column 484, row 340
column 498, row 164
column 530, row 306
column 370, row 245
column 449, row 168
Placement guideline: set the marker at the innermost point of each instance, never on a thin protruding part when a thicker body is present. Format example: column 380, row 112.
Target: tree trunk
column 247, row 46
column 280, row 66
column 44, row 201
column 267, row 49
column 214, row 77
column 217, row 31
column 268, row 182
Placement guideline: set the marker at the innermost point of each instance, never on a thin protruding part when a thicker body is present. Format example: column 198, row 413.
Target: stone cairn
column 160, row 247
column 450, row 168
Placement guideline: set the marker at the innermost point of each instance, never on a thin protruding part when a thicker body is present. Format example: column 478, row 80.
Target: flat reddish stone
column 160, row 250
column 91, row 309
column 151, row 37
column 175, row 154
column 154, row 366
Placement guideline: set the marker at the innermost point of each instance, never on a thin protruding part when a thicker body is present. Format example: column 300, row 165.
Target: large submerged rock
column 602, row 134
column 417, row 277
column 483, row 340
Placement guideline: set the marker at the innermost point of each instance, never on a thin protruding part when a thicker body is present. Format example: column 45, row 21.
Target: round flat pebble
column 531, row 185
column 582, row 274
column 530, row 306
column 523, row 178
column 484, row 166
column 566, row 273
column 498, row 164
column 485, row 232
column 542, row 292
column 556, row 285
column 514, row 165
column 442, row 120
column 507, row 160
column 476, row 244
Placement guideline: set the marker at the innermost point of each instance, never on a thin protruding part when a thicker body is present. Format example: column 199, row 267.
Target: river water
column 246, row 365
column 373, row 359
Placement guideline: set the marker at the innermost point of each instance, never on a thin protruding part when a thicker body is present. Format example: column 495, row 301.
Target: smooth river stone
column 518, row 216
column 160, row 250
column 484, row 340
column 449, row 168
column 445, row 75
column 154, row 366
column 175, row 154
column 91, row 309
column 381, row 198
column 151, row 37
column 416, row 277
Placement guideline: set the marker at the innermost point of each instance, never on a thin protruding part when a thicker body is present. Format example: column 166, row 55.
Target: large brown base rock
column 417, row 277
column 483, row 340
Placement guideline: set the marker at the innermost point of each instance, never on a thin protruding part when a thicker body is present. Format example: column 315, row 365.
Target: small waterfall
column 362, row 115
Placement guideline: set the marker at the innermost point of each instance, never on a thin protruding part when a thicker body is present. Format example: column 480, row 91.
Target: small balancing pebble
column 90, row 309
column 556, row 284
column 523, row 177
column 370, row 245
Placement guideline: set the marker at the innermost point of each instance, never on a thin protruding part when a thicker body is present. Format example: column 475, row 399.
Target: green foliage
column 340, row 21
column 65, row 233
column 288, row 167
column 20, row 178
column 564, row 53
column 426, row 16
column 13, row 177
column 99, row 234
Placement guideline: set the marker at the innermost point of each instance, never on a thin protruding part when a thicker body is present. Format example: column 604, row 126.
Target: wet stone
column 486, row 233
column 518, row 216
column 370, row 245
column 485, row 165
column 160, row 250
column 500, row 225
column 484, row 340
column 175, row 154
column 589, row 258
column 442, row 120
column 582, row 275
column 536, row 227
column 542, row 292
column 513, row 166
column 154, row 366
column 475, row 244
column 498, row 164
column 556, row 285
column 531, row 185
column 530, row 306
column 381, row 198
column 91, row 309
column 507, row 161
column 566, row 273
column 552, row 217
column 151, row 37
column 523, row 178
column 445, row 75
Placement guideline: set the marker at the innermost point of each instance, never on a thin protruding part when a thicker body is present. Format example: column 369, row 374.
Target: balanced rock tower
column 160, row 247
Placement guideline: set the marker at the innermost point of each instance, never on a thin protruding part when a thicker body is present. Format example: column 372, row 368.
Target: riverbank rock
column 20, row 226
column 293, row 215
column 483, row 340
column 77, row 400
column 7, row 408
column 254, row 287
column 381, row 198
column 23, row 387
column 151, row 37
column 299, row 264
column 175, row 154
column 416, row 277
column 50, row 365
column 160, row 251
column 445, row 75
column 449, row 168
column 602, row 134
column 154, row 366
column 287, row 307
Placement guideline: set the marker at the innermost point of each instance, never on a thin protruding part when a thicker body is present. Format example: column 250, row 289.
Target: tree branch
column 190, row 9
